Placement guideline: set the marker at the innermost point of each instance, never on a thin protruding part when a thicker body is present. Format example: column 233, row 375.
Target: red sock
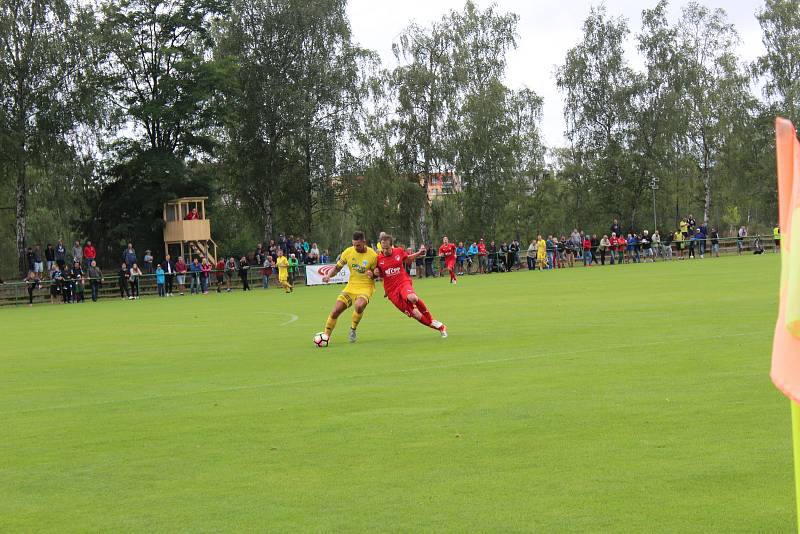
column 424, row 310
column 452, row 275
column 425, row 319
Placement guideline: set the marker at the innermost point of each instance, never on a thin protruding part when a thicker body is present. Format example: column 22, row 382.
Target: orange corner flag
column 786, row 346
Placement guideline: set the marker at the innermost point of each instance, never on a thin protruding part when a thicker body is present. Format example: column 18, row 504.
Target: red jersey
column 448, row 251
column 393, row 270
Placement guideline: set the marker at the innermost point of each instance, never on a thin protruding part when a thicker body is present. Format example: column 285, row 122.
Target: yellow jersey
column 358, row 263
column 283, row 267
column 684, row 226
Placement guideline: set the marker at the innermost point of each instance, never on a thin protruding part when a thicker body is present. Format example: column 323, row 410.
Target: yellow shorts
column 348, row 297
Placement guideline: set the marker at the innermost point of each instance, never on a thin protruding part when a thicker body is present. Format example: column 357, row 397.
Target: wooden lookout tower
column 186, row 227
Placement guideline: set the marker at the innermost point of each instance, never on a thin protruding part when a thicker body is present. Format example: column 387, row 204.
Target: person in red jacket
column 219, row 273
column 192, row 215
column 89, row 253
column 587, row 251
column 481, row 256
column 448, row 252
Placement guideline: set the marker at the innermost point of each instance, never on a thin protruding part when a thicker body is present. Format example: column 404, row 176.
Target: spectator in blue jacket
column 700, row 237
column 195, row 269
column 461, row 257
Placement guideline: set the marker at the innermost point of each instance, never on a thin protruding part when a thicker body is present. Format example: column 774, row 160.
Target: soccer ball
column 321, row 339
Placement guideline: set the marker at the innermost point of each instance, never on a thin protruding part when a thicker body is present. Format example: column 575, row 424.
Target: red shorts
column 450, row 263
column 398, row 298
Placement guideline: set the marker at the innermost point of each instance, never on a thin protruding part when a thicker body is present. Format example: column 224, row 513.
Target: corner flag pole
column 796, row 447
column 785, row 371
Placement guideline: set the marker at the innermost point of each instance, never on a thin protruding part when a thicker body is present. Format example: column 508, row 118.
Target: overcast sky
column 546, row 30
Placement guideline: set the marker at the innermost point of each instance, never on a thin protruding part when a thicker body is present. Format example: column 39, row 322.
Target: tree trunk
column 267, row 223
column 21, row 215
column 423, row 225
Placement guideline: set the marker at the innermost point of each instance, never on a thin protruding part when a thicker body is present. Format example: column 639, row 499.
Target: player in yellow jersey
column 361, row 261
column 283, row 271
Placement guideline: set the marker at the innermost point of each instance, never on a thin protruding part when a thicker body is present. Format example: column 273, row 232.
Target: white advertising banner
column 315, row 273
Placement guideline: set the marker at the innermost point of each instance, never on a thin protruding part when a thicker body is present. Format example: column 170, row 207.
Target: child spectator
column 161, row 280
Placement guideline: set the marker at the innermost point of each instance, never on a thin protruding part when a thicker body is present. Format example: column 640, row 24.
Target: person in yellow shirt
column 679, row 243
column 541, row 253
column 361, row 261
column 776, row 236
column 282, row 263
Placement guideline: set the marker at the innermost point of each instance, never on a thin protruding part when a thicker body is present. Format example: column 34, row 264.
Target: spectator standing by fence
column 161, row 281
column 31, row 284
column 776, row 236
column 134, row 279
column 194, row 275
column 95, row 279
column 714, row 235
column 461, row 258
column 266, row 272
column 230, row 271
column 244, row 269
column 205, row 275
column 169, row 274
column 219, row 272
column 180, row 274
column 122, row 278
column 294, row 266
column 530, row 255
column 740, row 237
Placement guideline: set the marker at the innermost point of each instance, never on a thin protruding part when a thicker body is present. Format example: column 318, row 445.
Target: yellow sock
column 356, row 319
column 330, row 324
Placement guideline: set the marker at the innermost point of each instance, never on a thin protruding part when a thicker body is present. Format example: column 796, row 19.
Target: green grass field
column 627, row 399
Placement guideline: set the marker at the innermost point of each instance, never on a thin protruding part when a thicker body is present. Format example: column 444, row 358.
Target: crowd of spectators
column 73, row 273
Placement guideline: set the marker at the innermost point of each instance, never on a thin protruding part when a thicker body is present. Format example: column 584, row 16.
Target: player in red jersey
column 448, row 251
column 397, row 284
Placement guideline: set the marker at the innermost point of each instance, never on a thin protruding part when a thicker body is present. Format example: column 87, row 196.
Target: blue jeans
column 195, row 285
column 550, row 260
column 587, row 257
column 265, row 281
column 204, row 283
